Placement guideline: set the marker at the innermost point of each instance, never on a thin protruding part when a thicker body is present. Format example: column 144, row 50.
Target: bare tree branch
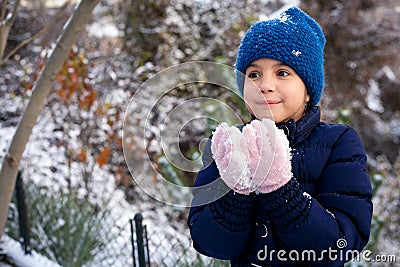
column 36, row 35
column 9, row 20
column 3, row 12
column 5, row 24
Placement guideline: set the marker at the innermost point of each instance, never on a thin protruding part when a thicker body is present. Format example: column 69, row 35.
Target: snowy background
column 76, row 144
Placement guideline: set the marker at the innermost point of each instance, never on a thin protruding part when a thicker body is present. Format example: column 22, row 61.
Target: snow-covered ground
column 17, row 256
column 39, row 158
column 42, row 157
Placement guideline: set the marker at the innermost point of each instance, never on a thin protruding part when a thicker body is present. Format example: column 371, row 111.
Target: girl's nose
column 266, row 86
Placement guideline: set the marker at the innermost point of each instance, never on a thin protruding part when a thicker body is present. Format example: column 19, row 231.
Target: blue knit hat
column 293, row 38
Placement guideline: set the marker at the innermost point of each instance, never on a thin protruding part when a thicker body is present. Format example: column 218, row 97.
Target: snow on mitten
column 269, row 155
column 229, row 149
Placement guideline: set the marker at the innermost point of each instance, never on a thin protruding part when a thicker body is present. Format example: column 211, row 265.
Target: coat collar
column 297, row 132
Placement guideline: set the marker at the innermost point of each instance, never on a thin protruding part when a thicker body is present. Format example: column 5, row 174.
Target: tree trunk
column 9, row 168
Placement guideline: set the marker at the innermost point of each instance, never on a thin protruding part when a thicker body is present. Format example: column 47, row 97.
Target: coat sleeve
column 339, row 211
column 219, row 220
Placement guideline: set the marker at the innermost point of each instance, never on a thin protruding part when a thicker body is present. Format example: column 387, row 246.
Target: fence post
column 139, row 239
column 24, row 232
column 147, row 245
column 133, row 243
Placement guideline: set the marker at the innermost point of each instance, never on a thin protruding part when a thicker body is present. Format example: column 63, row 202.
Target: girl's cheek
column 249, row 108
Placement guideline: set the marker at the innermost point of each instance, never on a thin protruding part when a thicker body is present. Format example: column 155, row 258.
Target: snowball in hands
column 258, row 158
column 269, row 155
column 229, row 149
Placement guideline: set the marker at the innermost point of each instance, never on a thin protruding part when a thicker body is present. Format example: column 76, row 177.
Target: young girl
column 298, row 191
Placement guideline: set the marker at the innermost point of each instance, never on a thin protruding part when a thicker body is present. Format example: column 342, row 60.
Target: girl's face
column 274, row 87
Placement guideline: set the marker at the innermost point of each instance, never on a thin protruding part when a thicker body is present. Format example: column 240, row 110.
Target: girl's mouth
column 269, row 102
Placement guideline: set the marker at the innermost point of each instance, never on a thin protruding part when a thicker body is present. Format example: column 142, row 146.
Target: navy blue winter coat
column 319, row 218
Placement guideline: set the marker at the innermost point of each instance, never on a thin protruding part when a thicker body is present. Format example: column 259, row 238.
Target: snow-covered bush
column 64, row 227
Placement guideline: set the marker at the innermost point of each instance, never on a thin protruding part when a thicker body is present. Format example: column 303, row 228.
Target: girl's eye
column 253, row 75
column 283, row 73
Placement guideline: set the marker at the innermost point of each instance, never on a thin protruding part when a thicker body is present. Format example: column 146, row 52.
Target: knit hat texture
column 293, row 38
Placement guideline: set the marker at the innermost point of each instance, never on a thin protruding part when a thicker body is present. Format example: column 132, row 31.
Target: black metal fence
column 117, row 242
column 142, row 243
column 24, row 231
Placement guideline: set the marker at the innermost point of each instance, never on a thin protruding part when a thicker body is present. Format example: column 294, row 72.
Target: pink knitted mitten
column 269, row 155
column 229, row 149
